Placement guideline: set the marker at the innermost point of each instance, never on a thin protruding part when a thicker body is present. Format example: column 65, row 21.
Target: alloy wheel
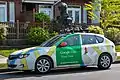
column 105, row 61
column 43, row 65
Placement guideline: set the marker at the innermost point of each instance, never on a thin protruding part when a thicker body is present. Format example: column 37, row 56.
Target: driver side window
column 73, row 40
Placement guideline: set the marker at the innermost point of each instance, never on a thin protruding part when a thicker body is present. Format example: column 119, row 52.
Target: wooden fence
column 17, row 32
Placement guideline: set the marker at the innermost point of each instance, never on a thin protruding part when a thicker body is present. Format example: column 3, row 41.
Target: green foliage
column 113, row 34
column 3, row 31
column 38, row 35
column 3, row 66
column 53, row 34
column 117, row 48
column 109, row 12
column 42, row 17
column 95, row 29
column 6, row 53
column 55, row 25
column 1, row 34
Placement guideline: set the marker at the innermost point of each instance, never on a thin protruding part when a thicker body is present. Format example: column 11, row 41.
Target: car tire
column 104, row 61
column 43, row 65
column 83, row 67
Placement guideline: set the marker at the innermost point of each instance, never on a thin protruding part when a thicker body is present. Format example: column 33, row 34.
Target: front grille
column 11, row 57
column 12, row 66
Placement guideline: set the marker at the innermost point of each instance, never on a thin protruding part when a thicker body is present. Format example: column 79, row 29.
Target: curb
column 116, row 62
column 4, row 70
column 7, row 70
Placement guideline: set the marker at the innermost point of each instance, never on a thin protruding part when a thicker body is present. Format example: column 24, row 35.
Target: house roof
column 40, row 1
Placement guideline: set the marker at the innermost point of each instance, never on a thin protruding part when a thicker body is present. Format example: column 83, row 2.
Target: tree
column 109, row 12
column 42, row 17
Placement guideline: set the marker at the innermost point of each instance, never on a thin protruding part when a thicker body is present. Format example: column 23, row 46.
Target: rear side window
column 88, row 39
column 99, row 39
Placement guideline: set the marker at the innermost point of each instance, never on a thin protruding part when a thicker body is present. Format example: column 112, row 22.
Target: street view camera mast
column 65, row 21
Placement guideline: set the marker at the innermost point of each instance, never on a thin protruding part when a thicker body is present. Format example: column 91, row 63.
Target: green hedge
column 38, row 35
column 117, row 48
column 113, row 34
column 95, row 29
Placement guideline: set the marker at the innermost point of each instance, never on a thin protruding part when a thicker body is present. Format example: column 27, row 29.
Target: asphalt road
column 90, row 73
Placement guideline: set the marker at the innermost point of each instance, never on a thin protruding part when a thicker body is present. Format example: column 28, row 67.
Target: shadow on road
column 20, row 74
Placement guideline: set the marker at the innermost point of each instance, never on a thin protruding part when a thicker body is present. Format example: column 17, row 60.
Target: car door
column 69, row 55
column 90, row 49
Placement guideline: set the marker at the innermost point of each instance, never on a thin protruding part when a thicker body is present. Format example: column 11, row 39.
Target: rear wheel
column 104, row 61
column 43, row 65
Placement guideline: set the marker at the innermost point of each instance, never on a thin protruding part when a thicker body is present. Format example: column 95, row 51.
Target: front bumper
column 16, row 64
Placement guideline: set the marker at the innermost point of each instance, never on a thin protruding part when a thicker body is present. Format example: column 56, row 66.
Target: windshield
column 52, row 41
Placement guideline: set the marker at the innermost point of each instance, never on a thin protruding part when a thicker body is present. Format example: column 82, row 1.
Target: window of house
column 3, row 12
column 96, row 11
column 70, row 13
column 88, row 39
column 84, row 15
column 75, row 13
column 12, row 12
column 77, row 16
column 97, row 19
column 73, row 40
column 47, row 10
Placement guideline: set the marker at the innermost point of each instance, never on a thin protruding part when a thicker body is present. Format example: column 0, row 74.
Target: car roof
column 86, row 34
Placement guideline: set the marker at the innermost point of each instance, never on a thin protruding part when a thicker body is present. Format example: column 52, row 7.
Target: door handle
column 86, row 50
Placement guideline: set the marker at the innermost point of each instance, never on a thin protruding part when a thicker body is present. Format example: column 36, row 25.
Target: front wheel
column 104, row 61
column 43, row 65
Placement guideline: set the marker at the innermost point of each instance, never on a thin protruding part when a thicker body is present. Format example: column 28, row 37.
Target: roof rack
column 74, row 30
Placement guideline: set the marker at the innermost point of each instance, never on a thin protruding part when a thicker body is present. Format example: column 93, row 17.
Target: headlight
column 23, row 56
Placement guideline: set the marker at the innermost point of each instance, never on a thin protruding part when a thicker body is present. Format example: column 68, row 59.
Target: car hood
column 27, row 50
column 22, row 51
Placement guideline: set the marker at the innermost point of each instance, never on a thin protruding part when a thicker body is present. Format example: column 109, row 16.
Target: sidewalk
column 3, row 59
column 118, row 53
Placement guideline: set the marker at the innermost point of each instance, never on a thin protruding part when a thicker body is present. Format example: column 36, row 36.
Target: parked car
column 65, row 50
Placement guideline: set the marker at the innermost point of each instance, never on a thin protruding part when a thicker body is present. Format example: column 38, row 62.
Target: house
column 24, row 10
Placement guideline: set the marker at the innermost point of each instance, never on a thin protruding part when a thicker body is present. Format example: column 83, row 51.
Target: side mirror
column 63, row 44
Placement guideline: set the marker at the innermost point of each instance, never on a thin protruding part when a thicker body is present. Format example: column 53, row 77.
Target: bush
column 55, row 25
column 38, row 35
column 53, row 34
column 40, row 17
column 113, row 34
column 117, row 48
column 3, row 31
column 95, row 29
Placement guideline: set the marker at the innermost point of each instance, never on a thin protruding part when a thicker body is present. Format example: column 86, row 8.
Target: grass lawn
column 117, row 48
column 6, row 53
column 3, row 66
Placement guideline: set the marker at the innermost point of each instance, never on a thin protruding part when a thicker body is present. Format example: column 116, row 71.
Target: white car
column 65, row 50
